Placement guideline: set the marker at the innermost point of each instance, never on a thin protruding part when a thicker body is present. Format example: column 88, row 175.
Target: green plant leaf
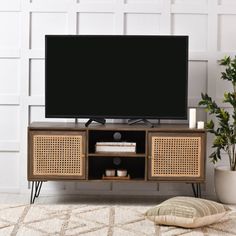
column 224, row 125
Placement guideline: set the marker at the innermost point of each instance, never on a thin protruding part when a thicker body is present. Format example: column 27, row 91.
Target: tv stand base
column 134, row 121
column 67, row 152
column 99, row 120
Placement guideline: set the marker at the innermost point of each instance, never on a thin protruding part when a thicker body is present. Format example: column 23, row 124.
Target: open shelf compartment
column 137, row 137
column 135, row 166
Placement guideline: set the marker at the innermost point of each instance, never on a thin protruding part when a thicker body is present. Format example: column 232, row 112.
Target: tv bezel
column 154, row 117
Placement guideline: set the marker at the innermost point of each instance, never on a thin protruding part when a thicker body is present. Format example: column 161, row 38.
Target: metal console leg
column 197, row 190
column 35, row 190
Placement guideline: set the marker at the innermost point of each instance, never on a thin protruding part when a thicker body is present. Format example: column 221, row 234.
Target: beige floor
column 92, row 215
column 11, row 198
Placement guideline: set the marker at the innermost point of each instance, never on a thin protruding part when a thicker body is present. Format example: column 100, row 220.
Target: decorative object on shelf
column 116, row 147
column 187, row 212
column 200, row 124
column 121, row 172
column 110, row 172
column 192, row 118
column 224, row 130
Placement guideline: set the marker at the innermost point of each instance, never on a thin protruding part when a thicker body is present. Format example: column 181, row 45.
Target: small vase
column 225, row 184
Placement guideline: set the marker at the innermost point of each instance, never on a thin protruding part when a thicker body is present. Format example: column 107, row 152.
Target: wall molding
column 143, row 14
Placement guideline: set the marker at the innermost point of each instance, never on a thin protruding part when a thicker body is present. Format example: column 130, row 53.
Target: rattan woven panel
column 58, row 155
column 176, row 156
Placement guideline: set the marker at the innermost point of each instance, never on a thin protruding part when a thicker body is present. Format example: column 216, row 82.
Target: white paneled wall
column 142, row 23
column 23, row 25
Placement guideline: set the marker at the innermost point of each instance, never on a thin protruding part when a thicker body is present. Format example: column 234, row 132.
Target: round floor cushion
column 187, row 212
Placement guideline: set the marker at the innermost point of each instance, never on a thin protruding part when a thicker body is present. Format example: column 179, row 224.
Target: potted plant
column 224, row 130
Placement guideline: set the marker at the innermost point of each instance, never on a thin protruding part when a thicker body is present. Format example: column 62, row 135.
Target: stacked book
column 116, row 147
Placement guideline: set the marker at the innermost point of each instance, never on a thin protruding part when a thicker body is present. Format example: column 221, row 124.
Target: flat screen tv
column 111, row 76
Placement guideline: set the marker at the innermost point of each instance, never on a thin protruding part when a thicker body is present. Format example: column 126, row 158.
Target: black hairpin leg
column 197, row 190
column 35, row 190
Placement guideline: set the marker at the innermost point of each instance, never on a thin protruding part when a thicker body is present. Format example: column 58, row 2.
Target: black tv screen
column 111, row 76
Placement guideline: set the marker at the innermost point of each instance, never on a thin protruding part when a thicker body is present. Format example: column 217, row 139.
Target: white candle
column 192, row 118
column 200, row 124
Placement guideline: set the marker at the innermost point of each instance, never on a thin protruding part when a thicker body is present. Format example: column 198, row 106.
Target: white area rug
column 95, row 220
